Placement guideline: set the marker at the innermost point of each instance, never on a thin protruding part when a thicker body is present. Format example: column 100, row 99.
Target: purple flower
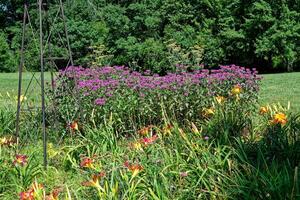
column 100, row 101
column 183, row 174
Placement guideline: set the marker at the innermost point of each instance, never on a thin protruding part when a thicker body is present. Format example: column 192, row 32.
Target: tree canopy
column 157, row 34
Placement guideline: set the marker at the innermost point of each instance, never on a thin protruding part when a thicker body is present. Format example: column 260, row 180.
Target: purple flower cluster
column 134, row 99
column 105, row 82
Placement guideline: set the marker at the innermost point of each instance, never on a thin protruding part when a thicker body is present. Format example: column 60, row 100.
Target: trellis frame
column 43, row 6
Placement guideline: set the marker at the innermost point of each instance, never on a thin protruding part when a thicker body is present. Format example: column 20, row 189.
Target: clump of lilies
column 36, row 191
column 277, row 117
column 146, row 141
column 146, row 130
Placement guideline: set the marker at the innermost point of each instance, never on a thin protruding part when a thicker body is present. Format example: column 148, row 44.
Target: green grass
column 282, row 88
column 275, row 88
column 9, row 86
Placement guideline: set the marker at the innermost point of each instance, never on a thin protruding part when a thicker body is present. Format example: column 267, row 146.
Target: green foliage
column 142, row 55
column 260, row 33
column 180, row 163
column 7, row 60
column 279, row 43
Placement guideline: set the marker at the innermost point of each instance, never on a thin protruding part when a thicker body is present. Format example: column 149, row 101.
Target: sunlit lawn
column 9, row 86
column 281, row 88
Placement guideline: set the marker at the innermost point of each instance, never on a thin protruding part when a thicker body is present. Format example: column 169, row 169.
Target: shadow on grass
column 270, row 167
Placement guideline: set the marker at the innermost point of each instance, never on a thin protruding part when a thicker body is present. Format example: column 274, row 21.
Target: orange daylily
column 87, row 163
column 263, row 110
column 74, row 126
column 145, row 130
column 149, row 140
column 94, row 182
column 27, row 195
column 134, row 168
column 32, row 192
column 279, row 118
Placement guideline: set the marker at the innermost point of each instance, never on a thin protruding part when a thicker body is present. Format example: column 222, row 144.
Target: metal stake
column 20, row 73
column 43, row 86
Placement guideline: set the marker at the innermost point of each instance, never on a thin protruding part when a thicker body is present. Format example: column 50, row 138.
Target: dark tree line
column 157, row 34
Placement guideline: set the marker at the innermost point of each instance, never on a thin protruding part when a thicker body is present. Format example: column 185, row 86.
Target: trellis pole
column 43, row 85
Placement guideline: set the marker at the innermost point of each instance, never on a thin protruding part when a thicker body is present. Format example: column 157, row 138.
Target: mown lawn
column 9, row 86
column 283, row 88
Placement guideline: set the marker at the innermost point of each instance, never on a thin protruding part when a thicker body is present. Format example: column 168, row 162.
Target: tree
column 7, row 61
column 280, row 43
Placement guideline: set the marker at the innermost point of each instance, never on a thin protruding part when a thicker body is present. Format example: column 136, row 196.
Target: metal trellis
column 45, row 35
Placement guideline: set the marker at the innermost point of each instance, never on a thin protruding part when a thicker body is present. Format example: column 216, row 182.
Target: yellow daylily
column 22, row 98
column 220, row 99
column 137, row 146
column 208, row 112
column 236, row 90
